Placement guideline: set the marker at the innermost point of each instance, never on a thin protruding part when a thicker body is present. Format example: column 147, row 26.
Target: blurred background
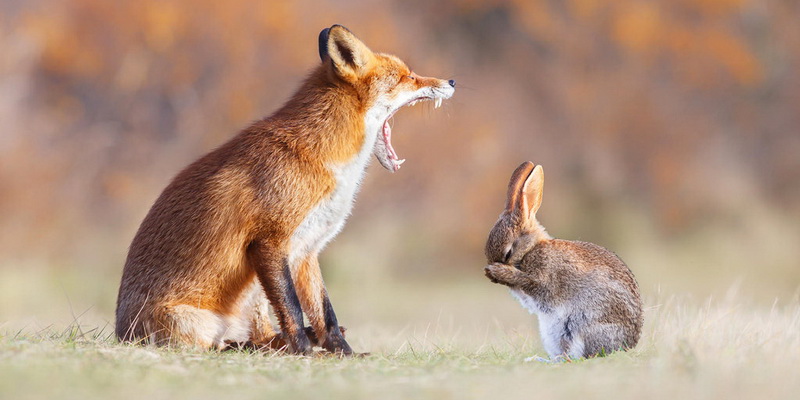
column 669, row 131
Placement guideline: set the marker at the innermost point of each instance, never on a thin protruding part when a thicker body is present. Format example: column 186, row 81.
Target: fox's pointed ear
column 515, row 185
column 531, row 196
column 348, row 54
column 323, row 44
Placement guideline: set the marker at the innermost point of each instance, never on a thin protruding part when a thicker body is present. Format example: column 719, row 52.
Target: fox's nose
column 452, row 83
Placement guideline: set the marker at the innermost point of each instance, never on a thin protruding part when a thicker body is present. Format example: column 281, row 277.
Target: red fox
column 240, row 229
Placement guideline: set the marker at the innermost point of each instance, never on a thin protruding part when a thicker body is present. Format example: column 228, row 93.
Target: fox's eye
column 411, row 77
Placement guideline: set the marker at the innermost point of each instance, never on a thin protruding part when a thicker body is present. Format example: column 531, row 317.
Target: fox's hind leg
column 261, row 333
column 256, row 309
column 189, row 326
column 318, row 308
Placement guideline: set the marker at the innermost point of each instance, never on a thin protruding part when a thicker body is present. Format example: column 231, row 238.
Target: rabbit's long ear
column 531, row 196
column 518, row 179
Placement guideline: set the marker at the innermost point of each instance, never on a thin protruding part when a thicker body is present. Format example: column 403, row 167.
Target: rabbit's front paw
column 500, row 273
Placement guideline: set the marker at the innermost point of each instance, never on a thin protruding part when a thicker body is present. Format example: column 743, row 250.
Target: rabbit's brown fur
column 586, row 298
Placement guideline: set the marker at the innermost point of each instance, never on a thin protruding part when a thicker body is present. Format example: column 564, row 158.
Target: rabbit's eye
column 508, row 254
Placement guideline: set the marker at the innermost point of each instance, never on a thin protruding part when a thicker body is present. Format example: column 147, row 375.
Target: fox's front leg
column 273, row 271
column 318, row 308
column 505, row 274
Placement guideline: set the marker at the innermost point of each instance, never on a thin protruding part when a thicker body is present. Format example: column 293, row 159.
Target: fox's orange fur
column 240, row 228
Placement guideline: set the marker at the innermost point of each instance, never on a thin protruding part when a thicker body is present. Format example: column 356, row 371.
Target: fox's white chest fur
column 327, row 218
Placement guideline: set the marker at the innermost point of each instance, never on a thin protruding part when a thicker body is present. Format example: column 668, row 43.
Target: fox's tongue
column 387, row 138
column 384, row 150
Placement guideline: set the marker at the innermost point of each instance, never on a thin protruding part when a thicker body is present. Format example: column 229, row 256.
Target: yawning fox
column 241, row 228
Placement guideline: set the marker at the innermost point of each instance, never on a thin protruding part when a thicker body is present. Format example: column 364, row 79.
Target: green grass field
column 445, row 342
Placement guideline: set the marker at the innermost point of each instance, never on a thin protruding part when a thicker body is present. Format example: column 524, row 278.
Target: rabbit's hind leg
column 602, row 339
column 552, row 360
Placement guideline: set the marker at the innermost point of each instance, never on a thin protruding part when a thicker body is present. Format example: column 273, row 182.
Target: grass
column 716, row 349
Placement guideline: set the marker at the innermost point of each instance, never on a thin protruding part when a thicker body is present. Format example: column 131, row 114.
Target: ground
column 446, row 342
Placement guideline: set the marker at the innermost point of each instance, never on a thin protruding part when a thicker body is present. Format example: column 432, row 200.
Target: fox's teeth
column 437, row 103
column 398, row 162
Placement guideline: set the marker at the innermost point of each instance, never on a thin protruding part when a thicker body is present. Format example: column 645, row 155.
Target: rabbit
column 586, row 298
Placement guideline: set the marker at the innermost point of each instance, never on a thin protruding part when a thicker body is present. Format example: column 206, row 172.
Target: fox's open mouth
column 383, row 147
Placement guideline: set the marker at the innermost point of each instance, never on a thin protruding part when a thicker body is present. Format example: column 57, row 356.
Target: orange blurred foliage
column 685, row 108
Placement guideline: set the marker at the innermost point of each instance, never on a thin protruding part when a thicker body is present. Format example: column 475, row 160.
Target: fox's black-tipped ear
column 323, row 43
column 349, row 56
